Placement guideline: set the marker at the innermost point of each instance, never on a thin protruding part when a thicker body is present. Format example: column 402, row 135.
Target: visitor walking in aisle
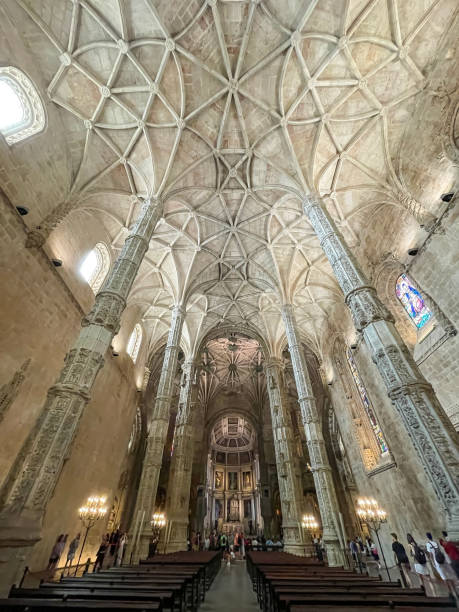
column 437, row 558
column 73, row 547
column 419, row 557
column 401, row 558
column 57, row 551
column 452, row 552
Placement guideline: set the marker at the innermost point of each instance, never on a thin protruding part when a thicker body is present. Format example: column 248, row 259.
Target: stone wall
column 39, row 318
column 437, row 270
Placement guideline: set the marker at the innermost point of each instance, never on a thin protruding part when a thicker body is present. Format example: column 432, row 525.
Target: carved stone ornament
column 180, row 471
column 37, row 467
column 10, row 390
column 157, row 436
column 325, row 488
column 429, row 429
column 286, row 460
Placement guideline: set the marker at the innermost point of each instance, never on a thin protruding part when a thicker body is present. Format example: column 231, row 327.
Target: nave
column 229, row 291
column 210, row 582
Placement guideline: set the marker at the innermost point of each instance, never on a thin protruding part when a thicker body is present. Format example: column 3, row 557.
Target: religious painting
column 218, row 480
column 246, row 480
column 412, row 301
column 366, row 403
column 232, row 481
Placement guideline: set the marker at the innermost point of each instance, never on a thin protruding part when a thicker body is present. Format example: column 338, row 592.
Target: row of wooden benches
column 285, row 582
column 166, row 583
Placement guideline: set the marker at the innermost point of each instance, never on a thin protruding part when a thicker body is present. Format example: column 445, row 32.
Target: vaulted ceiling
column 229, row 111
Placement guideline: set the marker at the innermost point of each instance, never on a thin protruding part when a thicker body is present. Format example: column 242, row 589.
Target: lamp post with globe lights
column 309, row 523
column 89, row 514
column 158, row 521
column 371, row 515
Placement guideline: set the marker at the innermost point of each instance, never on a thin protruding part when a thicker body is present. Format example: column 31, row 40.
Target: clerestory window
column 135, row 340
column 95, row 266
column 22, row 113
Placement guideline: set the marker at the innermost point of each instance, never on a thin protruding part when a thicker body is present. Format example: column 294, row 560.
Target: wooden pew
column 44, row 605
column 163, row 597
column 294, row 584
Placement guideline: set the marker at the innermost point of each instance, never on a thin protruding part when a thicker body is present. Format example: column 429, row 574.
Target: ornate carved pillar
column 288, row 473
column 426, row 423
column 325, row 489
column 156, row 440
column 178, row 494
column 34, row 474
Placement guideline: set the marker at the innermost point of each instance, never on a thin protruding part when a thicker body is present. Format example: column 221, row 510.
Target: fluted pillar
column 321, row 470
column 425, row 421
column 288, row 471
column 157, row 434
column 34, row 474
column 178, row 493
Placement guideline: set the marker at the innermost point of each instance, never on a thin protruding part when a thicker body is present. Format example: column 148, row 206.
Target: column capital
column 274, row 362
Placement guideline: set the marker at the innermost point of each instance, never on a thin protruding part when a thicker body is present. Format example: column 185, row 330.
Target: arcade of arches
column 229, row 246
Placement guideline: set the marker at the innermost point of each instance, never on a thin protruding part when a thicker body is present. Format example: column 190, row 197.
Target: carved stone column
column 157, row 434
column 427, row 425
column 34, row 474
column 288, row 471
column 178, row 494
column 323, row 480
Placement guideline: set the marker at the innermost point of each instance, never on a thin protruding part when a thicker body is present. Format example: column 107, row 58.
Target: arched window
column 366, row 403
column 95, row 266
column 134, row 342
column 412, row 301
column 22, row 113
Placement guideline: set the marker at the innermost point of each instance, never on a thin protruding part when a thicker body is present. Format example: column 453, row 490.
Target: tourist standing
column 120, row 552
column 100, row 556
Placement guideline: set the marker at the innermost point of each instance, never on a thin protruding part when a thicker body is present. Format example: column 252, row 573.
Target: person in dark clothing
column 101, row 553
column 399, row 551
column 401, row 558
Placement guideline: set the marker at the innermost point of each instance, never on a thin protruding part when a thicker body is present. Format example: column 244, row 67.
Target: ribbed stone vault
column 229, row 111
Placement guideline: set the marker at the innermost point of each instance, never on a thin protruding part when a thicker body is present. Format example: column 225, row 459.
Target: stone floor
column 231, row 591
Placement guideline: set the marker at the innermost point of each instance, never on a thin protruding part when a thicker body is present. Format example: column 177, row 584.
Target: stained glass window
column 366, row 403
column 412, row 301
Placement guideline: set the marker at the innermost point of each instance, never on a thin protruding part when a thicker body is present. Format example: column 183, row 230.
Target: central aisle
column 230, row 591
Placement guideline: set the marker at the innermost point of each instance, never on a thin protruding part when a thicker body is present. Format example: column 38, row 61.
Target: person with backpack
column 419, row 556
column 438, row 559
